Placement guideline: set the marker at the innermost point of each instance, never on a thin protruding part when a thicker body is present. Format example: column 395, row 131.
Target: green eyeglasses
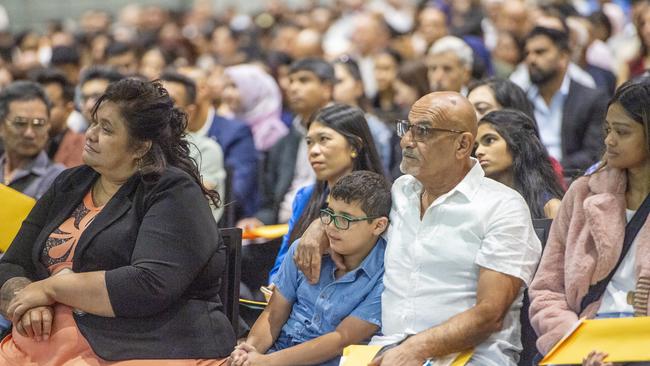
column 341, row 222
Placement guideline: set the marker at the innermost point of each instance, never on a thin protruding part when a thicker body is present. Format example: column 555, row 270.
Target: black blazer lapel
column 117, row 206
column 66, row 201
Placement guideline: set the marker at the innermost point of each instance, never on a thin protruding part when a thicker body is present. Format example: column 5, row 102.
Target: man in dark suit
column 569, row 115
column 287, row 169
column 240, row 156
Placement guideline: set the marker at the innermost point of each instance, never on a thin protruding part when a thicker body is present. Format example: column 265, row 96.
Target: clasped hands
column 31, row 312
column 246, row 355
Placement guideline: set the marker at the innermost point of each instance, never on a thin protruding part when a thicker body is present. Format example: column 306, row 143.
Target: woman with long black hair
column 338, row 142
column 510, row 152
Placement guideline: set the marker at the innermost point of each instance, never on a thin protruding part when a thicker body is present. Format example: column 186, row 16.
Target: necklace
column 95, row 191
column 7, row 175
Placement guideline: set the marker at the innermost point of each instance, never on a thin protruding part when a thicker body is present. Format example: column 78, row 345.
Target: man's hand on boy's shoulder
column 311, row 247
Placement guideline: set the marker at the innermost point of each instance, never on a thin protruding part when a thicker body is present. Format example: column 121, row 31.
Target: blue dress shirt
column 318, row 309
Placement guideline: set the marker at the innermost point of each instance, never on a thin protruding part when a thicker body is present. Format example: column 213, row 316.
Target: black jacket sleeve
column 175, row 240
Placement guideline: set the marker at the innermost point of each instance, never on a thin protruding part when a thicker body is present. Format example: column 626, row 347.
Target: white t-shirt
column 432, row 265
column 623, row 281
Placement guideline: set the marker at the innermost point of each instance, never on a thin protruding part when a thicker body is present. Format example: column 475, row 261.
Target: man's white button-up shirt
column 432, row 264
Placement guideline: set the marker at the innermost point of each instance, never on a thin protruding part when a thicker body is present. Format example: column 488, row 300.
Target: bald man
column 460, row 247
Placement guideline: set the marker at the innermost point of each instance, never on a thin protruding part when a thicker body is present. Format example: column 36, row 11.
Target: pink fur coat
column 584, row 245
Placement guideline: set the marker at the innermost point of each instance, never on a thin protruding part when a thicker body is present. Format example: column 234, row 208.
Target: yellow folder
column 360, row 355
column 624, row 339
column 266, row 232
column 14, row 208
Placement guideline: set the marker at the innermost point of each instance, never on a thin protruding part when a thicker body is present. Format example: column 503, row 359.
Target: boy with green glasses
column 310, row 324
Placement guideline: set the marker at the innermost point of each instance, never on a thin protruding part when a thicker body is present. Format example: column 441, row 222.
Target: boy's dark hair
column 62, row 55
column 54, row 76
column 321, row 68
column 370, row 190
column 560, row 39
column 188, row 84
column 100, row 72
column 118, row 48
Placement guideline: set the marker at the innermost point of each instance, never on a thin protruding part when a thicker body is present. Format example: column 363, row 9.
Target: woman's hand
column 36, row 323
column 249, row 223
column 595, row 358
column 32, row 296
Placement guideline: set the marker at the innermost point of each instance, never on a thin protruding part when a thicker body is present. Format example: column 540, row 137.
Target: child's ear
column 380, row 225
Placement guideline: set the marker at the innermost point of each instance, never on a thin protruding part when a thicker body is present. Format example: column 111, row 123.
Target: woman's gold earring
column 353, row 154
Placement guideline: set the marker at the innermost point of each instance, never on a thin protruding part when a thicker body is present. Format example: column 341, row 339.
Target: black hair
column 321, row 68
column 352, row 67
column 118, row 48
column 414, row 74
column 21, row 90
column 599, row 18
column 533, row 174
column 508, row 95
column 559, row 38
column 188, row 84
column 62, row 55
column 396, row 56
column 634, row 97
column 351, row 123
column 54, row 76
column 100, row 72
column 150, row 115
column 371, row 191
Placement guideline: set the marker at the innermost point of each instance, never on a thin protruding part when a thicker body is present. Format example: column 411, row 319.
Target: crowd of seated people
column 410, row 148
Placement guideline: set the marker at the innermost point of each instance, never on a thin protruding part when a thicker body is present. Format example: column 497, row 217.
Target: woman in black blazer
column 122, row 256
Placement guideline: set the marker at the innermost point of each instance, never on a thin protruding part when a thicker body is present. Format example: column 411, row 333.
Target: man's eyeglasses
column 22, row 123
column 420, row 132
column 341, row 222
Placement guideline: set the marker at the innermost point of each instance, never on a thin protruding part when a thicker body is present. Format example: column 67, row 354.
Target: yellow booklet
column 624, row 339
column 360, row 355
column 14, row 209
column 266, row 232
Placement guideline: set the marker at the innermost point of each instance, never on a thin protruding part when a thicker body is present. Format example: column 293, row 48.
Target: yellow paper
column 463, row 358
column 266, row 232
column 624, row 339
column 359, row 355
column 14, row 209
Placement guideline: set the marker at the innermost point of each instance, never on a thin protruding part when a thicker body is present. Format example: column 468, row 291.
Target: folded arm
column 84, row 291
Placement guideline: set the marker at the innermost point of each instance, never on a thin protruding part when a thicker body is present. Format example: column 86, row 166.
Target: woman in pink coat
column 586, row 238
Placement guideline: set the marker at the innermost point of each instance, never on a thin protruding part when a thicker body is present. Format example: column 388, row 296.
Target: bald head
column 448, row 110
column 307, row 44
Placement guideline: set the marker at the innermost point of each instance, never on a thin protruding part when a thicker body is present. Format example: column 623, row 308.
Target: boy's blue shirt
column 318, row 309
